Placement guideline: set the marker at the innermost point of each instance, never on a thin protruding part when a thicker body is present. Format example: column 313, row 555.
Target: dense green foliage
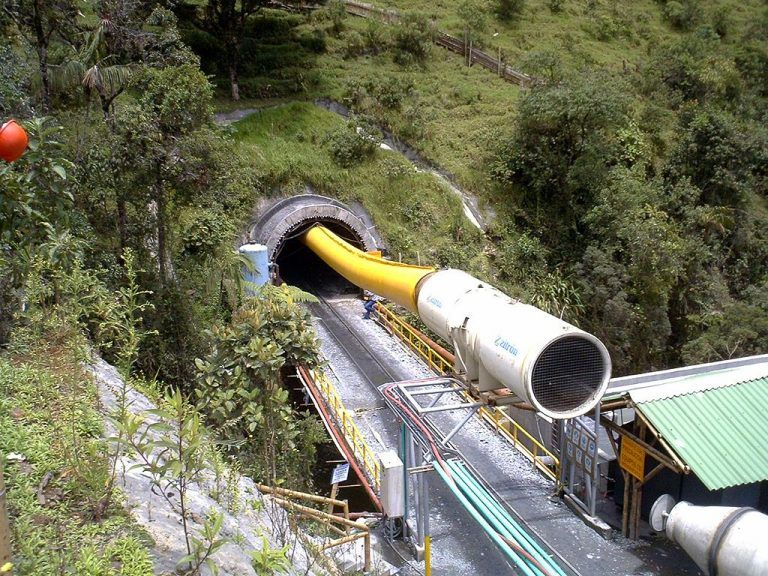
column 239, row 386
column 57, row 474
column 630, row 198
column 625, row 189
column 117, row 230
column 632, row 201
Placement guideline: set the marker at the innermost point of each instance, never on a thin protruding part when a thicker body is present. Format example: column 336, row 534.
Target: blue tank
column 257, row 254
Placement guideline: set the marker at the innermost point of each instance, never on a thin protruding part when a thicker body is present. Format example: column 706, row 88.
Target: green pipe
column 404, row 454
column 498, row 523
column 511, row 554
column 504, row 523
column 514, row 530
column 532, row 546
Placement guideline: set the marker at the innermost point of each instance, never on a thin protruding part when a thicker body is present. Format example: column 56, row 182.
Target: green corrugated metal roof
column 721, row 433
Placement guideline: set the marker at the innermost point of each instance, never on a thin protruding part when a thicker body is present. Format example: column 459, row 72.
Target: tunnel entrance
column 280, row 224
column 299, row 266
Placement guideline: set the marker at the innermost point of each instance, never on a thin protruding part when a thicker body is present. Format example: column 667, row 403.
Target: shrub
column 605, row 28
column 376, row 37
column 555, row 6
column 721, row 21
column 509, row 10
column 412, row 39
column 682, row 15
column 205, row 233
column 352, row 143
column 314, row 41
column 336, row 13
column 391, row 91
column 355, row 45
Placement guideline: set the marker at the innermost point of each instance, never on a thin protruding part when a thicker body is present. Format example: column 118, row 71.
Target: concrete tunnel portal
column 280, row 225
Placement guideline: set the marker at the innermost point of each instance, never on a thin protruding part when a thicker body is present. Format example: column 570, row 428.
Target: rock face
column 248, row 517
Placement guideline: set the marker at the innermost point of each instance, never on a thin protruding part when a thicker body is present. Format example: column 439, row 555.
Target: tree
column 560, row 151
column 729, row 329
column 226, row 19
column 239, row 381
column 14, row 84
column 715, row 154
column 172, row 103
column 94, row 68
column 36, row 201
column 38, row 21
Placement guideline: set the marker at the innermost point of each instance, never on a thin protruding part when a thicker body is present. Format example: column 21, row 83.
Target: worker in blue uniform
column 369, row 306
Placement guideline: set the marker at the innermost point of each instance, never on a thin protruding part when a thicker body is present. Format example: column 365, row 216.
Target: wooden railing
column 472, row 55
column 286, row 499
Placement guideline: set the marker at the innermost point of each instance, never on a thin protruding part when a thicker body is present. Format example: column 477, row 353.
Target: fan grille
column 568, row 374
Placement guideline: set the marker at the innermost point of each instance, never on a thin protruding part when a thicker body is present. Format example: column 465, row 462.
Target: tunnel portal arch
column 288, row 217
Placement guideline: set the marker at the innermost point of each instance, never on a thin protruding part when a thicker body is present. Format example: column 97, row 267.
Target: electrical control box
column 392, row 484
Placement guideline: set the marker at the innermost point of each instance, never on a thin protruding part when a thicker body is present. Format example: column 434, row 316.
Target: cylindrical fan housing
column 559, row 369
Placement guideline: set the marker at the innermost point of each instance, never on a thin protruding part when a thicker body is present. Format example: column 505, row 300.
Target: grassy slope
column 464, row 109
column 460, row 107
column 462, row 112
column 288, row 141
column 602, row 32
column 48, row 416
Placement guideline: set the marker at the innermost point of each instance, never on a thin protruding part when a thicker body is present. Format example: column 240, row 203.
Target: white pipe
column 561, row 370
column 723, row 540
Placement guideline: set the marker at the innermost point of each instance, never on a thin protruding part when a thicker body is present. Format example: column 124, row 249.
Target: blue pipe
column 494, row 535
column 514, row 530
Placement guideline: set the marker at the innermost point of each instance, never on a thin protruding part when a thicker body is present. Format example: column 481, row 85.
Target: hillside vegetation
column 628, row 184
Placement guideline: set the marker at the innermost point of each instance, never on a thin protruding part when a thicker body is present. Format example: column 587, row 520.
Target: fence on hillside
column 471, row 55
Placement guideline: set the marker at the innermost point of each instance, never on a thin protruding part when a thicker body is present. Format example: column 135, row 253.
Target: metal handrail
column 497, row 418
column 346, row 421
column 408, row 334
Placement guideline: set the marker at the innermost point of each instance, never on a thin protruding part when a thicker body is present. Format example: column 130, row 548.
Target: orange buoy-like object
column 13, row 141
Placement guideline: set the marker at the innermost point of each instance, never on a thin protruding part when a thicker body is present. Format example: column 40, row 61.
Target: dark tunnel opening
column 299, row 266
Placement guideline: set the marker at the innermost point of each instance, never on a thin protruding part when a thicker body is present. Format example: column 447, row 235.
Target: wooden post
column 367, row 544
column 637, row 498
column 628, row 478
column 334, row 491
column 5, row 531
column 637, row 495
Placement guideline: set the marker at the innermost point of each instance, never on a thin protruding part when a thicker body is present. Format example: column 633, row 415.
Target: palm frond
column 116, row 76
column 67, row 75
column 92, row 79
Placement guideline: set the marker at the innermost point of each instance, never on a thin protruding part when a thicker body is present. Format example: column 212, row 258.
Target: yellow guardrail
column 497, row 418
column 505, row 425
column 345, row 419
column 414, row 340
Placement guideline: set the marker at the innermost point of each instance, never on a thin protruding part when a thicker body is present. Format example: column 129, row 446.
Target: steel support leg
column 459, row 426
column 405, row 441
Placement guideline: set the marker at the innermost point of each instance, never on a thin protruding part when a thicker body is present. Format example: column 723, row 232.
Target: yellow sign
column 632, row 458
